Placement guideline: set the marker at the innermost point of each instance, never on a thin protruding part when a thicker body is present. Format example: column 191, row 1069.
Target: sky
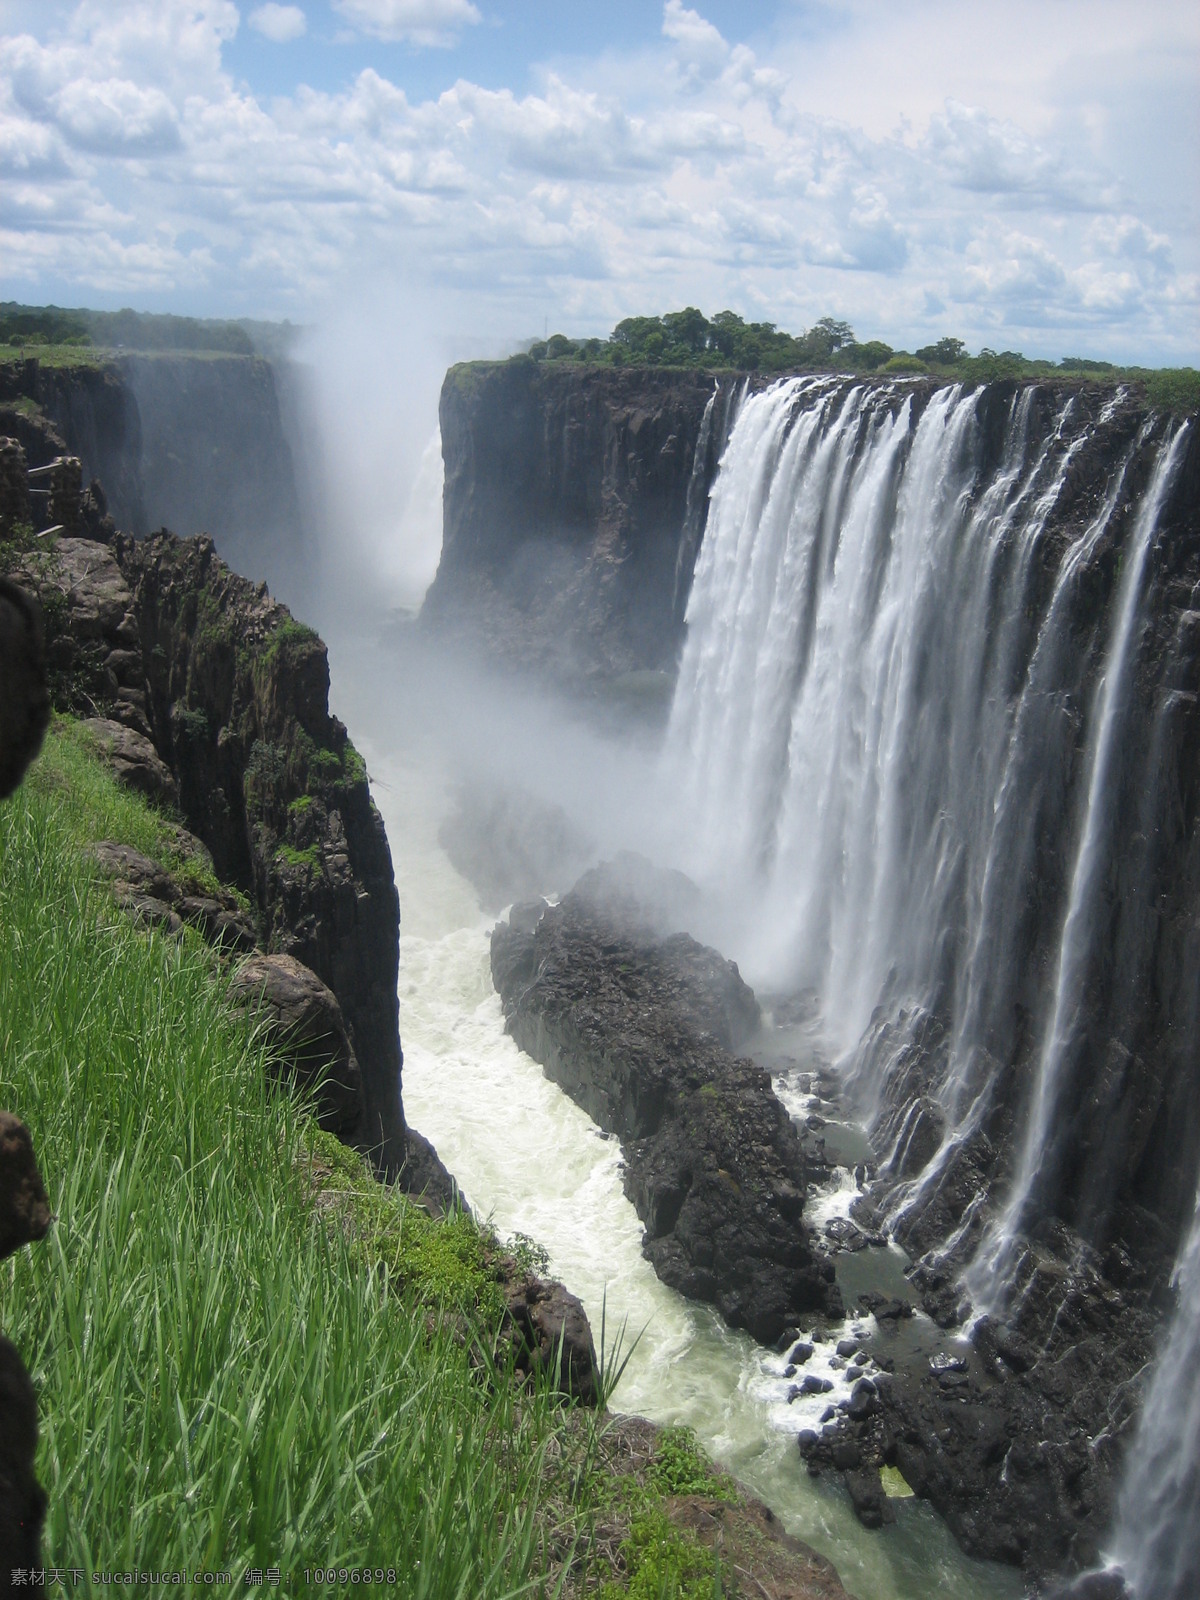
column 1022, row 174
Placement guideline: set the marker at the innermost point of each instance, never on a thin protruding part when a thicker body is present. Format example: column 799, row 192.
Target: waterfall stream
column 882, row 726
column 1157, row 1540
column 912, row 714
column 534, row 1163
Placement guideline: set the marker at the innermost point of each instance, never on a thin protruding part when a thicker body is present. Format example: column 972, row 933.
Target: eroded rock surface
column 307, row 1030
column 639, row 1028
column 134, row 760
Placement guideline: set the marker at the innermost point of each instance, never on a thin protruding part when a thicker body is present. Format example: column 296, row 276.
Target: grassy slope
column 223, row 1381
column 247, row 1354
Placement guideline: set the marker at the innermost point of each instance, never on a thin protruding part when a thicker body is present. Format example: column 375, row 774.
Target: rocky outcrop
column 567, row 499
column 157, row 899
column 238, row 704
column 25, row 701
column 551, row 1335
column 199, row 687
column 85, row 410
column 306, row 1029
column 640, row 1029
column 134, row 760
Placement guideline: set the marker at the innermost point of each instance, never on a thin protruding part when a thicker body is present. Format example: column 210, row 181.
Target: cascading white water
column 530, row 1159
column 877, row 726
column 1157, row 1540
column 988, row 1277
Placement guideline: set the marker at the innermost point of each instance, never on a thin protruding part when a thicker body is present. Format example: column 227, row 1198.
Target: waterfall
column 988, row 1280
column 906, row 727
column 1157, row 1540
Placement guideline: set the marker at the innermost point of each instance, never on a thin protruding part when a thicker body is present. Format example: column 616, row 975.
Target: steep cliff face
column 238, row 704
column 214, row 458
column 207, row 694
column 567, row 493
column 196, row 443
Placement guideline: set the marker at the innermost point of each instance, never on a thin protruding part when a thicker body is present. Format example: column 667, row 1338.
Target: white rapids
column 530, row 1160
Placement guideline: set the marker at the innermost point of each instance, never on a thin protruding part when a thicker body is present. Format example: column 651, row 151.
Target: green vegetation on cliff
column 726, row 342
column 247, row 1353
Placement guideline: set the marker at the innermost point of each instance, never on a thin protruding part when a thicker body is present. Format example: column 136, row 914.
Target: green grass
column 224, row 1380
column 87, row 805
column 248, row 1353
column 663, row 1563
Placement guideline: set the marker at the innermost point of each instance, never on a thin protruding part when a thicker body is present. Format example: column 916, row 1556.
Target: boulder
column 554, row 1335
column 24, row 1217
column 24, row 1209
column 25, row 701
column 134, row 760
column 307, row 1031
column 22, row 1498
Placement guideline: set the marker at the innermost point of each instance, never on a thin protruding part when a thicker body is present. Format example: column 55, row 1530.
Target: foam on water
column 531, row 1160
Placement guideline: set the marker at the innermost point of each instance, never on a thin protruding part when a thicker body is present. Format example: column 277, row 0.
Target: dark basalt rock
column 307, row 1031
column 865, row 1488
column 25, row 700
column 553, row 1335
column 24, row 1218
column 566, row 504
column 639, row 1028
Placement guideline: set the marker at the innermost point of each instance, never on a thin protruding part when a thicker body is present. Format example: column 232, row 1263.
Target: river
column 530, row 1160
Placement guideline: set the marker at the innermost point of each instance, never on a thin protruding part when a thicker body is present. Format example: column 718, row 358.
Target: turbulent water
column 909, row 726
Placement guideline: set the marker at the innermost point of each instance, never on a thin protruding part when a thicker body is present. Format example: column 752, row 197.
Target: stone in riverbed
column 863, row 1400
column 868, row 1498
column 638, row 1026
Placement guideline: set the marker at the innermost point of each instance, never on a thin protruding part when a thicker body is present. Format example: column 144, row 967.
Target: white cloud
column 278, row 23
column 697, row 40
column 431, row 23
column 690, row 172
column 116, row 117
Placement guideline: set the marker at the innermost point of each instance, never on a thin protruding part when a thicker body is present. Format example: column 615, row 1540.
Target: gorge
column 932, row 753
column 923, row 663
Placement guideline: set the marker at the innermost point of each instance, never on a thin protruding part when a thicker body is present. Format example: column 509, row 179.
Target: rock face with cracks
column 640, row 1028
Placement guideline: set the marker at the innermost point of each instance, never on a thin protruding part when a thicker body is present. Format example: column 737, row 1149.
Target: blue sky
column 1021, row 173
